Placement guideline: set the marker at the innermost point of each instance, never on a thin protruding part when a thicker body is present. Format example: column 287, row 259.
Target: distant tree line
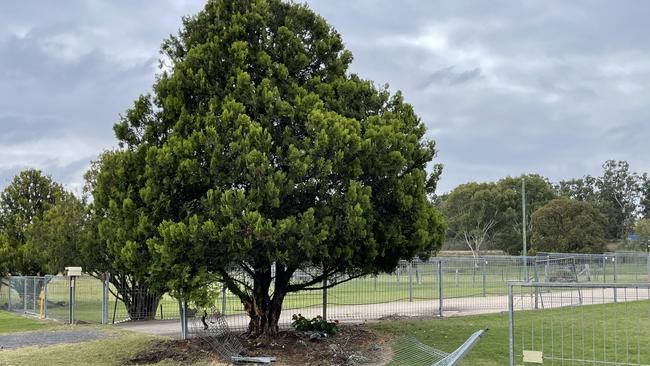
column 575, row 215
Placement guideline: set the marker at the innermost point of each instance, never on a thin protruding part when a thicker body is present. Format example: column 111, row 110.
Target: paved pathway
column 48, row 338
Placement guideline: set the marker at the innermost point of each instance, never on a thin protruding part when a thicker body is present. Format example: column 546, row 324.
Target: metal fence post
column 615, row 276
column 511, row 327
column 9, row 289
column 25, row 295
column 536, row 288
column 223, row 299
column 45, row 282
column 105, row 288
column 647, row 278
column 604, row 269
column 182, row 305
column 72, row 305
column 34, row 294
column 440, row 298
column 325, row 298
column 410, row 264
column 483, row 263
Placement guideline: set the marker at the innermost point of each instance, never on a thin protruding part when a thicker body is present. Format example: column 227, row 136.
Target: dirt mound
column 187, row 351
column 352, row 345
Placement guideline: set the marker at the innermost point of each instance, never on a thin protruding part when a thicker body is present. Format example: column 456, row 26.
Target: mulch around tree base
column 352, row 345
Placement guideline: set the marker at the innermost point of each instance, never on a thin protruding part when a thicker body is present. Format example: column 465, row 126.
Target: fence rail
column 442, row 286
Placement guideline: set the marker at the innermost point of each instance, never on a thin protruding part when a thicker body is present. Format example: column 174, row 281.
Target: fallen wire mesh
column 409, row 351
column 214, row 332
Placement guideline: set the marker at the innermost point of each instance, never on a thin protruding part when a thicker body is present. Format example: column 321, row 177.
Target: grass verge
column 11, row 323
column 115, row 350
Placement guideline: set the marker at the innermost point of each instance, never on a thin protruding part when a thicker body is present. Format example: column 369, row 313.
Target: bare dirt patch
column 188, row 351
column 352, row 345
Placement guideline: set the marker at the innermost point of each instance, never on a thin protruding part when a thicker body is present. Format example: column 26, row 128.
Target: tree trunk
column 264, row 310
column 140, row 302
column 264, row 320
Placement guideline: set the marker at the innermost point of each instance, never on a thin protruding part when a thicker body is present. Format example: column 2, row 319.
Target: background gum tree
column 565, row 225
column 475, row 212
column 538, row 192
column 258, row 155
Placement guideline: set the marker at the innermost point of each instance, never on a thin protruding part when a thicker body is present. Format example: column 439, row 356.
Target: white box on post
column 73, row 271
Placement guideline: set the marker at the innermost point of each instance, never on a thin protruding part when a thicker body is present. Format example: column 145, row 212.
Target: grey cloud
column 450, row 76
column 504, row 87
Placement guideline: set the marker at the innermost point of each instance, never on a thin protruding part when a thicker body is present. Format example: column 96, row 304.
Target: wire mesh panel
column 58, row 298
column 135, row 303
column 475, row 285
column 580, row 324
column 10, row 294
column 412, row 290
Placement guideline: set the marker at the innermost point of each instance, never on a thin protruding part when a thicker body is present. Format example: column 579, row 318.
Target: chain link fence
column 442, row 286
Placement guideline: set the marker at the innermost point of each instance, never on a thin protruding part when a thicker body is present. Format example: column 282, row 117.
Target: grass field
column 10, row 323
column 568, row 333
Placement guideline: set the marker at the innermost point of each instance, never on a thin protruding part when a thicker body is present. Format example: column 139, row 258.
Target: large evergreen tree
column 259, row 154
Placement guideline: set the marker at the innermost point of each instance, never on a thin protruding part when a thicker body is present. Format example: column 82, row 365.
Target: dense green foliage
column 259, row 152
column 25, row 201
column 538, row 192
column 619, row 194
column 60, row 237
column 565, row 225
column 642, row 230
column 317, row 324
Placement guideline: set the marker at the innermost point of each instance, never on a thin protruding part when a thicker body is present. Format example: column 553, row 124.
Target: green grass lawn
column 10, row 323
column 116, row 350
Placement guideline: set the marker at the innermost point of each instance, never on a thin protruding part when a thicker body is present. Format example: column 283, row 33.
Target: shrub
column 315, row 324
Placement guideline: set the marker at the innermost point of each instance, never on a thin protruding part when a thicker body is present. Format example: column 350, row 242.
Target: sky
column 504, row 87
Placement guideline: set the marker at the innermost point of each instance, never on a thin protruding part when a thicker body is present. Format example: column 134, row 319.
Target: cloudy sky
column 505, row 87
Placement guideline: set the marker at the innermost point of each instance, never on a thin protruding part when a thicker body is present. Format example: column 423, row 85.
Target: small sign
column 533, row 357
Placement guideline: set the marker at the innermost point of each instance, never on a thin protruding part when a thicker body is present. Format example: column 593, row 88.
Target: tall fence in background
column 579, row 323
column 442, row 286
